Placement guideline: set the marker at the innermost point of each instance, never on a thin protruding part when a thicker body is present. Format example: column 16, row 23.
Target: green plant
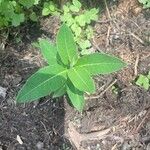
column 77, row 18
column 50, row 8
column 115, row 89
column 146, row 3
column 79, row 21
column 143, row 81
column 67, row 72
column 14, row 12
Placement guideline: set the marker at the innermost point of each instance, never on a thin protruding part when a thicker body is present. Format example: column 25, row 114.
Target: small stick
column 136, row 65
column 142, row 122
column 98, row 96
column 109, row 16
column 136, row 37
column 103, row 21
column 107, row 38
column 143, row 58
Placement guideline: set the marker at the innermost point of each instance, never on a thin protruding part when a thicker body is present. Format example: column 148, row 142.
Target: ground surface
column 109, row 121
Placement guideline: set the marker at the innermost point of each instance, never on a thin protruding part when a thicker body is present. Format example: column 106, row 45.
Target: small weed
column 143, row 81
column 146, row 3
column 79, row 20
column 115, row 89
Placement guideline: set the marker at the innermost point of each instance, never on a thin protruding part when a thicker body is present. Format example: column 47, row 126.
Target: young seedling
column 143, row 81
column 67, row 72
column 146, row 3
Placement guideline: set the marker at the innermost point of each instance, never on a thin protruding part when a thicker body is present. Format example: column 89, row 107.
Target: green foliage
column 115, row 89
column 50, row 8
column 67, row 72
column 79, row 21
column 14, row 12
column 146, row 3
column 77, row 18
column 143, row 81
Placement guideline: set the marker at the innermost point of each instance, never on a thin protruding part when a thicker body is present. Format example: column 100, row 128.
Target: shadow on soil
column 40, row 124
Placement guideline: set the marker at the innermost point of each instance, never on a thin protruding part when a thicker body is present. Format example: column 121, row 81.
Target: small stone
column 40, row 145
column 3, row 92
column 19, row 140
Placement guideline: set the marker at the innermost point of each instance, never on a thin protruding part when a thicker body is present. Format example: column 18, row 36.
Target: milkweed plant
column 67, row 71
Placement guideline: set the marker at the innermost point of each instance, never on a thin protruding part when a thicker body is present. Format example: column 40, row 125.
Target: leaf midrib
column 44, row 82
column 66, row 45
column 80, row 77
column 95, row 64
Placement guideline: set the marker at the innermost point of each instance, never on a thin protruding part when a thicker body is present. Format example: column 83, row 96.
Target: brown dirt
column 109, row 121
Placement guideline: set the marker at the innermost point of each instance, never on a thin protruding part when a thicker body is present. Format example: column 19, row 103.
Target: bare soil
column 110, row 121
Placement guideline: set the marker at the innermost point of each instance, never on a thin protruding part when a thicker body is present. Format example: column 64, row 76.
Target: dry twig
column 142, row 122
column 136, row 65
column 99, row 95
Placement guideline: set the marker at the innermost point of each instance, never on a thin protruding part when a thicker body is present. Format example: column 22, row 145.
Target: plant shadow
column 38, row 124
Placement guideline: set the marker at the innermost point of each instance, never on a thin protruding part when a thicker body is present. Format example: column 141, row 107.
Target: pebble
column 40, row 145
column 3, row 92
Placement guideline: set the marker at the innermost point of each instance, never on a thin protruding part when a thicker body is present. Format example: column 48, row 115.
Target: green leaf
column 49, row 51
column 43, row 82
column 33, row 16
column 84, row 44
column 76, row 97
column 68, row 19
column 100, row 63
column 76, row 29
column 65, row 9
column 148, row 76
column 66, row 46
column 17, row 19
column 74, row 8
column 80, row 20
column 60, row 92
column 146, row 3
column 49, row 8
column 81, row 79
column 27, row 3
column 77, row 4
column 143, row 81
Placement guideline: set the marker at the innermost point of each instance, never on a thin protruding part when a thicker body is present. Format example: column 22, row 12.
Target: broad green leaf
column 76, row 97
column 66, row 46
column 49, row 51
column 43, row 82
column 81, row 79
column 60, row 92
column 100, row 63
